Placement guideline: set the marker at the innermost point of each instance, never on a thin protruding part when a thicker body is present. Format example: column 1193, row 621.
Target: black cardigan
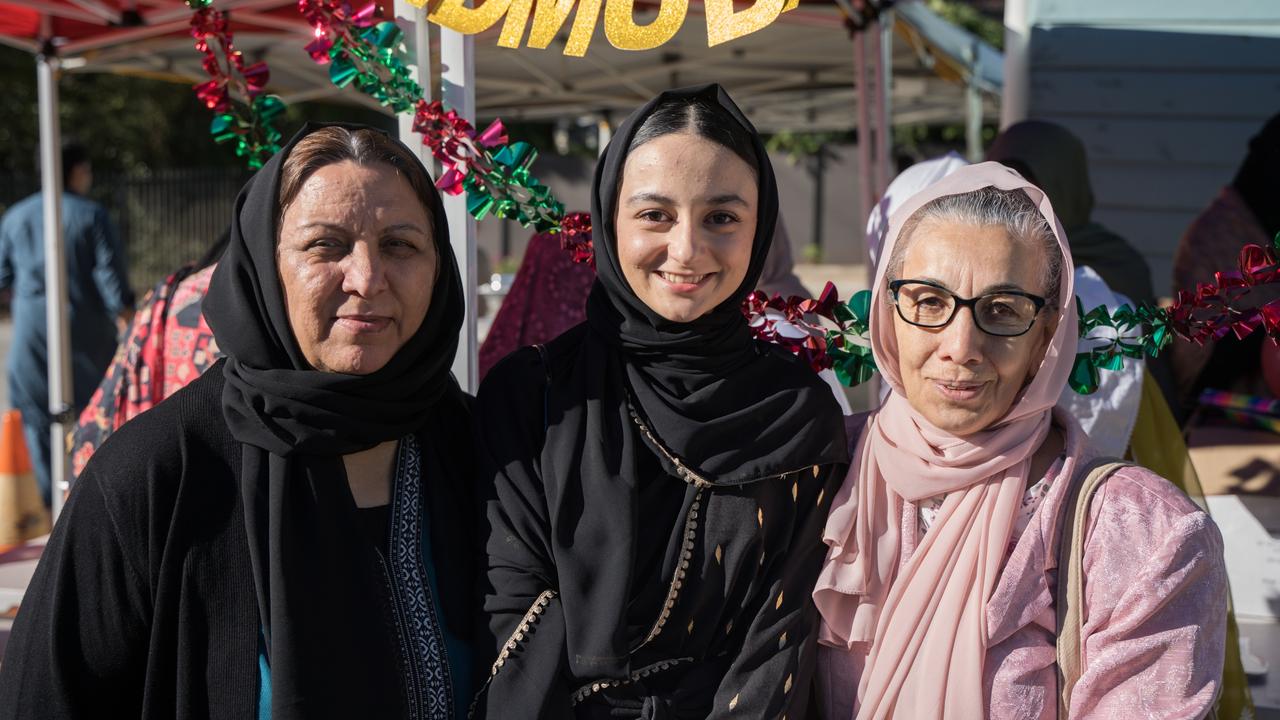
column 143, row 604
column 723, row 576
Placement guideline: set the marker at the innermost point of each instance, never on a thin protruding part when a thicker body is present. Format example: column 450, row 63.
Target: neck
column 1054, row 443
column 369, row 474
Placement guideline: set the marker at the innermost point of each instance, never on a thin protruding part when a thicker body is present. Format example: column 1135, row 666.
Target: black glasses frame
column 970, row 303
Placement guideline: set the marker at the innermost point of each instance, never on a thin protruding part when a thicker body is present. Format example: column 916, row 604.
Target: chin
column 680, row 312
column 357, row 361
column 958, row 421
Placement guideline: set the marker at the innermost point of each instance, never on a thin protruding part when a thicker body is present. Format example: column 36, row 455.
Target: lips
column 959, row 390
column 683, row 282
column 363, row 323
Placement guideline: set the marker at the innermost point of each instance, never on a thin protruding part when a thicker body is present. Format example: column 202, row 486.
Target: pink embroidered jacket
column 1154, row 623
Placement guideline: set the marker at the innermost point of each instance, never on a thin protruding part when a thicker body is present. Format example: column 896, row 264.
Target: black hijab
column 330, row 652
column 1258, row 180
column 734, row 410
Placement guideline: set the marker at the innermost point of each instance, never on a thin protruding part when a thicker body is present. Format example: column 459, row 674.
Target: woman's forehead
column 685, row 164
column 968, row 258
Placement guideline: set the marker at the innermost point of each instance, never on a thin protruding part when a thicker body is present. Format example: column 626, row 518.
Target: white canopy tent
column 794, row 75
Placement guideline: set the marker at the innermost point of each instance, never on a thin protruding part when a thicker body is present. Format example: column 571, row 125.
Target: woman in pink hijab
column 937, row 594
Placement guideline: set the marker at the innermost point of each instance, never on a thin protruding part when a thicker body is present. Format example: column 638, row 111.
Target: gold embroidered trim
column 682, row 569
column 587, row 691
column 530, row 619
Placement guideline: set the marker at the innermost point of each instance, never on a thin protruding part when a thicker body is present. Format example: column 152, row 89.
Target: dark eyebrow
column 1002, row 287
column 406, row 226
column 653, row 197
column 325, row 225
column 727, row 199
column 997, row 288
column 390, row 228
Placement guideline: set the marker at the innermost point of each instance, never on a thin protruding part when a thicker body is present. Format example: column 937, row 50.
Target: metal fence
column 166, row 219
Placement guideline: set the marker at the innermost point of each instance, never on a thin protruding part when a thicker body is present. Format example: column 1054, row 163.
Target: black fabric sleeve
column 79, row 645
column 770, row 675
column 526, row 629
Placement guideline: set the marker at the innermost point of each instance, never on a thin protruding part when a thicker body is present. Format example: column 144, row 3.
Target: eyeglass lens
column 997, row 314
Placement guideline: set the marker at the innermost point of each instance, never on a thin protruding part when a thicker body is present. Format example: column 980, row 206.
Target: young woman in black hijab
column 660, row 479
column 279, row 538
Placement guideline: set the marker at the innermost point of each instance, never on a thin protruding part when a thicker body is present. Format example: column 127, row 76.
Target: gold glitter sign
column 724, row 23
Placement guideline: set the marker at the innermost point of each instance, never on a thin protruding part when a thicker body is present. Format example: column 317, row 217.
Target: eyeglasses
column 1008, row 313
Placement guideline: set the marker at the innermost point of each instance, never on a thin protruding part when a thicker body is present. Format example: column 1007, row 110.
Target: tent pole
column 1014, row 103
column 884, row 100
column 55, row 275
column 457, row 61
column 418, row 47
column 866, row 175
column 973, row 107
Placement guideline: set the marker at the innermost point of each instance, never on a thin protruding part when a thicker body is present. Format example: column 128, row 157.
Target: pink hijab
column 925, row 619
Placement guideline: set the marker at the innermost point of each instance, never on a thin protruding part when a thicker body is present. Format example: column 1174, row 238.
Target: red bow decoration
column 575, row 236
column 1213, row 310
column 455, row 143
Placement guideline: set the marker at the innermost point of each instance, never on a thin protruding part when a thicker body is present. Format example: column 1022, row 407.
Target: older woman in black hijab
column 660, row 480
column 278, row 538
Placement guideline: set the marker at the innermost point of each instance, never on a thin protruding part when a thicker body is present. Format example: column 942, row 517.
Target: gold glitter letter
column 723, row 24
column 623, row 33
column 469, row 21
column 549, row 17
column 513, row 28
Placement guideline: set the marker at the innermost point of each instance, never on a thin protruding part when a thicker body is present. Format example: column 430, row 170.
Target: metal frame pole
column 1014, row 103
column 418, row 45
column 457, row 60
column 866, row 177
column 973, row 108
column 55, row 275
column 884, row 102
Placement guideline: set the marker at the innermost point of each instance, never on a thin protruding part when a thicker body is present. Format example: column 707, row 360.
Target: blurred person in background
column 168, row 345
column 99, row 300
column 1247, row 211
column 1054, row 159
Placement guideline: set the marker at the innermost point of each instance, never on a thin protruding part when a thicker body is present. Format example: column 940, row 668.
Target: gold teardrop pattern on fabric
column 719, row 555
column 690, row 627
column 778, row 605
column 786, row 687
column 734, row 702
column 782, row 641
column 821, row 494
column 760, row 516
column 815, row 471
column 795, row 491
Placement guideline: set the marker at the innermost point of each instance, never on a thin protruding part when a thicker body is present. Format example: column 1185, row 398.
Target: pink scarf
column 925, row 620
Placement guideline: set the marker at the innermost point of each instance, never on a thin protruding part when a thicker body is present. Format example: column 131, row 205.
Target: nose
column 683, row 244
column 961, row 341
column 363, row 271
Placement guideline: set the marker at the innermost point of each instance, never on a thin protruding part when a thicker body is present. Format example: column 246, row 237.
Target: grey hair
column 1011, row 209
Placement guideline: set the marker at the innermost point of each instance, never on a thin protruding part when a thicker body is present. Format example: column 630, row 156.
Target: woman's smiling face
column 685, row 224
column 357, row 263
column 958, row 377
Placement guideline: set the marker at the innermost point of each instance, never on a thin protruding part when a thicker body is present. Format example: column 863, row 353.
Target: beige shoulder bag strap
column 1070, row 591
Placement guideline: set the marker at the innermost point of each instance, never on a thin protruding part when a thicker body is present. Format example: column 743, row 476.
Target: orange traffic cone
column 22, row 512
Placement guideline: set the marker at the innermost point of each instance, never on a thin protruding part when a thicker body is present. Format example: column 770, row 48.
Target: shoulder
column 21, row 211
column 181, row 447
column 791, row 372
column 854, row 426
column 523, row 375
column 1140, row 511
